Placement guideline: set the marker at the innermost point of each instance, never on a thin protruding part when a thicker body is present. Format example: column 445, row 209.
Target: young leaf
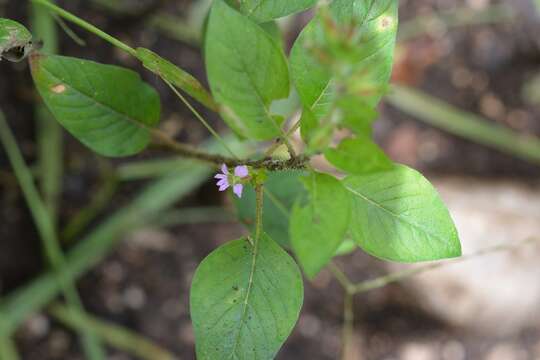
column 108, row 108
column 15, row 40
column 397, row 215
column 266, row 10
column 245, row 303
column 369, row 55
column 318, row 228
column 176, row 76
column 281, row 190
column 358, row 156
column 246, row 70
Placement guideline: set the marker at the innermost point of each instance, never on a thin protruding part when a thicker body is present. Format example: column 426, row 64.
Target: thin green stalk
column 259, row 195
column 201, row 119
column 86, row 25
column 114, row 335
column 408, row 273
column 347, row 332
column 461, row 123
column 49, row 132
column 46, row 230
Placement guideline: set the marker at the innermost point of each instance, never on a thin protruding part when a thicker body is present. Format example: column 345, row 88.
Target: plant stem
column 49, row 132
column 347, row 335
column 160, row 138
column 402, row 275
column 86, row 25
column 341, row 277
column 201, row 119
column 259, row 193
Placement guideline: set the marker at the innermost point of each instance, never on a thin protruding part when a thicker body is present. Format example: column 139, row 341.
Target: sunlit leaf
column 397, row 215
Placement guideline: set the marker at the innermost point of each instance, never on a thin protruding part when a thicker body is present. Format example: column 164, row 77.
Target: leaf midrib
column 105, row 106
column 397, row 216
column 248, row 293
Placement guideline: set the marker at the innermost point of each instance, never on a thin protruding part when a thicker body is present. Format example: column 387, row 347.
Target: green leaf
column 245, row 303
column 266, row 10
column 247, row 71
column 355, row 115
column 176, row 76
column 281, row 190
column 318, row 227
column 347, row 246
column 397, row 215
column 358, row 156
column 15, row 40
column 108, row 108
column 362, row 61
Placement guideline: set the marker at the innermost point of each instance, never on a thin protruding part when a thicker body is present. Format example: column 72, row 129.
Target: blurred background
column 465, row 110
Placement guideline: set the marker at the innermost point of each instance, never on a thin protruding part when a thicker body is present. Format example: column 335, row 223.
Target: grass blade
column 444, row 116
column 46, row 230
column 114, row 335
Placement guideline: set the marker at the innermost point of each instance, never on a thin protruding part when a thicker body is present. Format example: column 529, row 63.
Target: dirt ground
column 144, row 284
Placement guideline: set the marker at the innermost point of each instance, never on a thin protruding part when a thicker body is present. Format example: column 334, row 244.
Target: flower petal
column 237, row 189
column 223, row 182
column 225, row 169
column 220, row 176
column 223, row 187
column 241, row 171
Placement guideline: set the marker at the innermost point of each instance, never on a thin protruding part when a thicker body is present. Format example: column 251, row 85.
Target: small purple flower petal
column 237, row 189
column 223, row 182
column 223, row 187
column 241, row 171
column 220, row 176
column 225, row 169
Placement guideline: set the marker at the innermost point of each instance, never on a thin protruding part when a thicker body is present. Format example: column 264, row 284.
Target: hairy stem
column 162, row 139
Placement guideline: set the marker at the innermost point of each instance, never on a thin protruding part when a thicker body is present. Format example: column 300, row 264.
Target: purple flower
column 226, row 180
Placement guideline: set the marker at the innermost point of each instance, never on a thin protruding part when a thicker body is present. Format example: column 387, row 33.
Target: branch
column 188, row 151
column 401, row 275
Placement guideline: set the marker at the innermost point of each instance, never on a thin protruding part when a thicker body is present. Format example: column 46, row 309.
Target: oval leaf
column 15, row 40
column 266, row 10
column 244, row 304
column 318, row 228
column 246, row 70
column 108, row 108
column 397, row 215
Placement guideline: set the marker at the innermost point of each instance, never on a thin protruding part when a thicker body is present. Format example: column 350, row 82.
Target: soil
column 144, row 284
